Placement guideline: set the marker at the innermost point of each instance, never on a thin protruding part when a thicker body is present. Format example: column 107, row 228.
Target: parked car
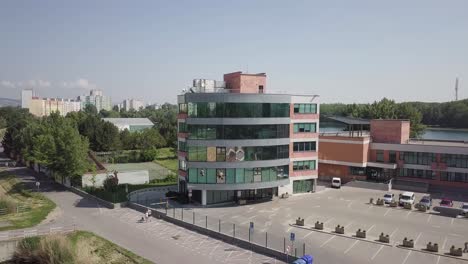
column 388, row 198
column 464, row 207
column 426, row 201
column 446, row 202
column 406, row 197
column 336, row 183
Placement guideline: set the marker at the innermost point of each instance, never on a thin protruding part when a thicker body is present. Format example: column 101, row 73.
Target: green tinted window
column 210, row 175
column 230, row 175
column 240, row 176
column 212, row 109
column 249, row 175
column 305, row 108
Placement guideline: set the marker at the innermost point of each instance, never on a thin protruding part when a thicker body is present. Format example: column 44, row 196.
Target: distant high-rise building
column 96, row 98
column 45, row 106
column 26, row 97
column 132, row 104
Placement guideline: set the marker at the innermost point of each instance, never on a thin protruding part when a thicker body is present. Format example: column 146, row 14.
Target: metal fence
column 19, row 234
column 246, row 232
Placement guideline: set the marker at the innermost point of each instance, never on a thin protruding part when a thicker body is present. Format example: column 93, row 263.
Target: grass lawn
column 78, row 247
column 13, row 193
column 102, row 250
column 171, row 164
column 166, row 153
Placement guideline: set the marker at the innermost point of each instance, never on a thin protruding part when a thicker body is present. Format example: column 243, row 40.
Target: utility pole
column 456, row 89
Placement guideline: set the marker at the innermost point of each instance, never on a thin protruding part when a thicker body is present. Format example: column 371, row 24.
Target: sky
column 345, row 51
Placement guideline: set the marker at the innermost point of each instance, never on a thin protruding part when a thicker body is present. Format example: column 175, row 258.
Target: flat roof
column 446, row 143
column 349, row 120
column 130, row 121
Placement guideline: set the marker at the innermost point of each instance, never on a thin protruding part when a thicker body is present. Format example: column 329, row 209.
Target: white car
column 336, row 183
column 406, row 197
column 388, row 198
column 464, row 208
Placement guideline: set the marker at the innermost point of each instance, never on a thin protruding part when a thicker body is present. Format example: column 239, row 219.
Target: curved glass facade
column 237, row 131
column 236, row 154
column 238, row 175
column 212, row 109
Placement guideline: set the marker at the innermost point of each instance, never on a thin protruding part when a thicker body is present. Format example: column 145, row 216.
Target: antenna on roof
column 456, row 89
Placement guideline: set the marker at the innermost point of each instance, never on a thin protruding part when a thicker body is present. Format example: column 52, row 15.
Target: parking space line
column 350, row 223
column 407, row 256
column 368, row 230
column 388, row 210
column 438, row 259
column 394, row 231
column 328, row 240
column 408, row 214
column 329, row 220
column 416, row 240
column 429, row 218
column 346, row 251
column 376, row 253
column 349, row 205
column 445, row 242
column 308, row 234
column 452, row 221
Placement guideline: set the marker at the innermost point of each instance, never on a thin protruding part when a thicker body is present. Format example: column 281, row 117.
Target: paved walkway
column 158, row 241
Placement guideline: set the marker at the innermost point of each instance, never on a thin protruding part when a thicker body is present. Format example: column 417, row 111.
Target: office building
column 236, row 142
column 387, row 152
column 97, row 99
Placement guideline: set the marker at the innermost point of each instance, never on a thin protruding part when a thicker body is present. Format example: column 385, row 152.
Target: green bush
column 51, row 250
column 149, row 155
column 8, row 204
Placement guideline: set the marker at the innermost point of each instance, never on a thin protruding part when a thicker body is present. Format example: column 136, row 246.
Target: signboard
column 292, row 237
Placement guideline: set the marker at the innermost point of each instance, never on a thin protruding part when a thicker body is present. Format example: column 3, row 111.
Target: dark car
column 446, row 202
column 426, row 201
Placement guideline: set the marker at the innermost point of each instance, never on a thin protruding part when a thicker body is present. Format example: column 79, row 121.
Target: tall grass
column 55, row 249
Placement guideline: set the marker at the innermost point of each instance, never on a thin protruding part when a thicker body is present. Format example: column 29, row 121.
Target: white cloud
column 80, row 83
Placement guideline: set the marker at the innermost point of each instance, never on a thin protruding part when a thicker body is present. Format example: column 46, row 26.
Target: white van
column 406, row 197
column 336, row 183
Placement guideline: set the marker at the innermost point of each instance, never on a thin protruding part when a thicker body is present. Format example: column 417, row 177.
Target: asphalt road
column 156, row 240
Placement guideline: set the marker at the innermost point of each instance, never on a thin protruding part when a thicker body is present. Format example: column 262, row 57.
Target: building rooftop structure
column 131, row 124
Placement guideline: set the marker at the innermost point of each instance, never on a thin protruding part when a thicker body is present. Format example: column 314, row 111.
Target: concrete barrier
column 339, row 229
column 393, row 204
column 384, row 238
column 214, row 234
column 408, row 243
column 368, row 185
column 361, row 233
column 319, row 225
column 432, row 247
column 448, row 211
column 380, row 202
column 457, row 252
column 299, row 221
column 408, row 206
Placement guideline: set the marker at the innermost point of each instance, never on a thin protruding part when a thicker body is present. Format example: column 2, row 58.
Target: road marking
column 329, row 220
column 445, row 242
column 324, row 243
column 370, row 229
column 394, row 231
column 457, row 235
column 352, row 246
column 408, row 214
column 436, row 226
column 407, row 256
column 252, row 217
column 438, row 259
column 429, row 218
column 308, row 234
column 289, row 229
column 376, row 253
column 452, row 221
column 350, row 223
column 388, row 210
column 417, row 238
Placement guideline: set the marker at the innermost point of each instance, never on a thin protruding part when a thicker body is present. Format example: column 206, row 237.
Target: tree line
column 383, row 109
column 448, row 114
column 62, row 143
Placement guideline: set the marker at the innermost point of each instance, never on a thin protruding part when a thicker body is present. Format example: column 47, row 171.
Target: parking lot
column 348, row 207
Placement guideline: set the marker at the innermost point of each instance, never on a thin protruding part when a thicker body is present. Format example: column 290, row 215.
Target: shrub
column 149, row 154
column 8, row 204
column 111, row 183
column 51, row 249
